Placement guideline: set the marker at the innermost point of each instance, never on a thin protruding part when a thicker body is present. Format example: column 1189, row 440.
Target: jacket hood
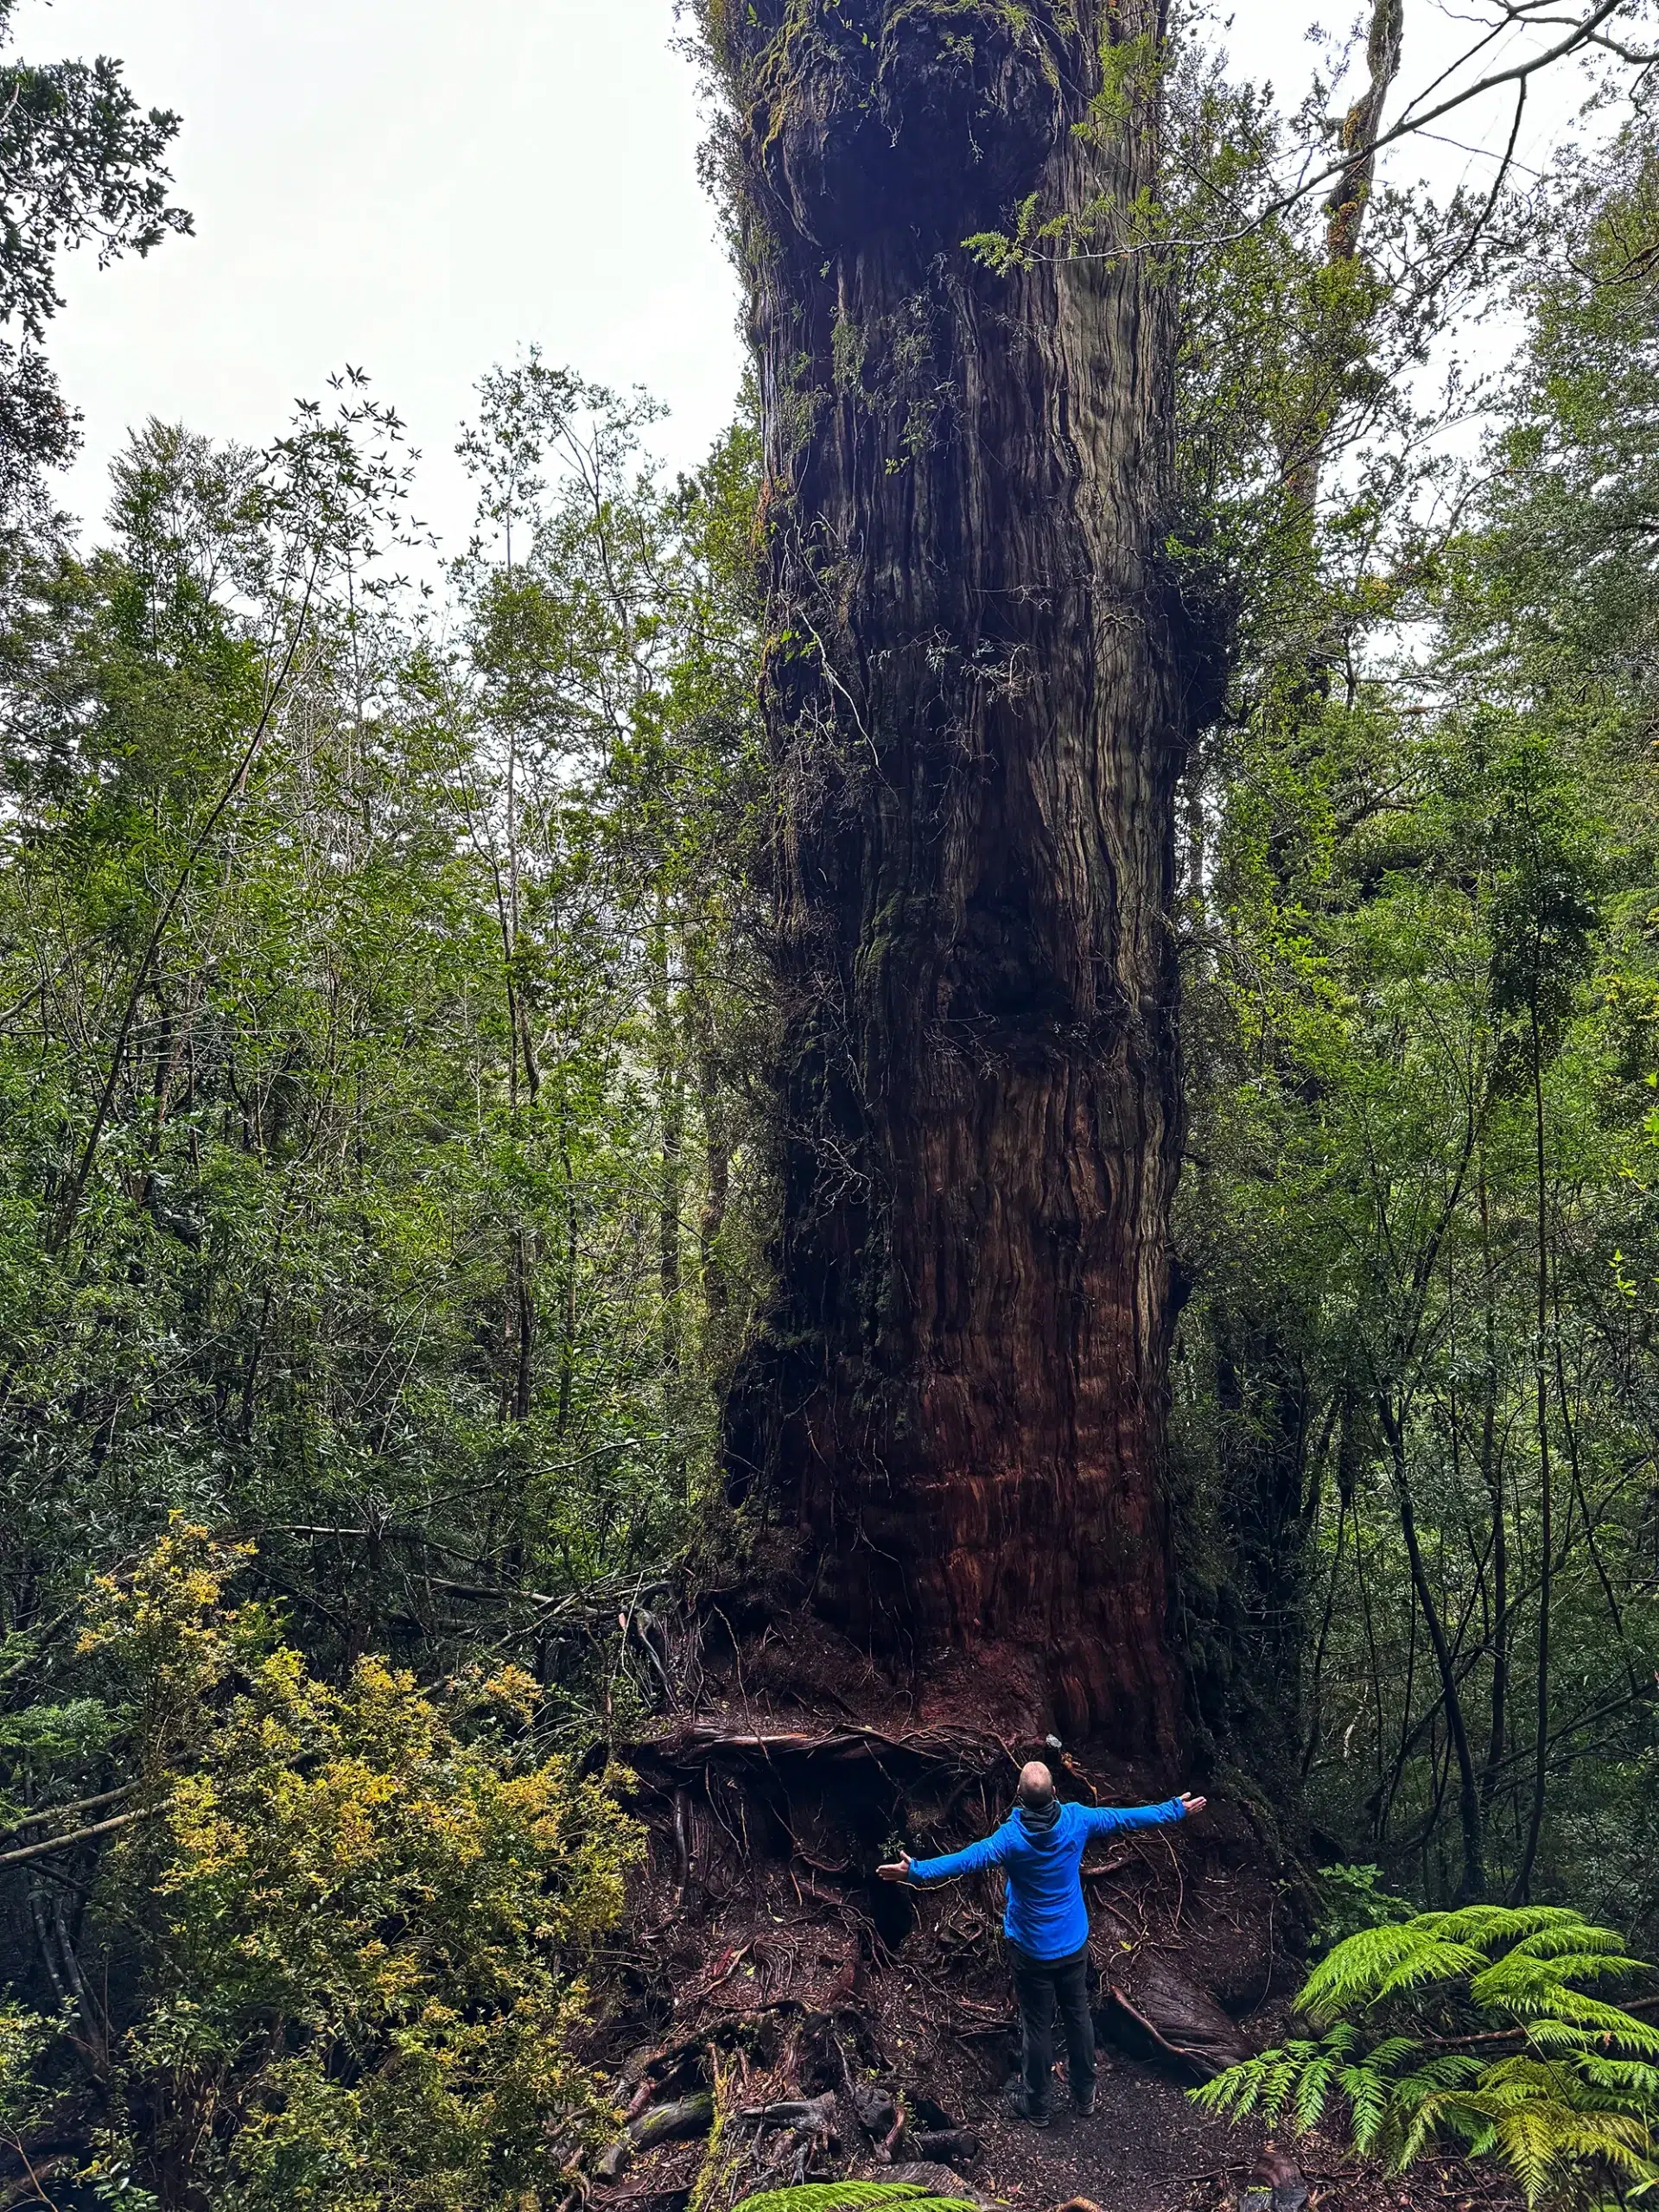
column 1039, row 1823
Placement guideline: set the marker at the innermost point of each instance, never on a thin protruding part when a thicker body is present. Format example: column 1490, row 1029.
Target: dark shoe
column 1022, row 2108
column 1083, row 2106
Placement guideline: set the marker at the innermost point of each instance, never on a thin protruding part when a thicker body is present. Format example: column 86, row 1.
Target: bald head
column 1036, row 1785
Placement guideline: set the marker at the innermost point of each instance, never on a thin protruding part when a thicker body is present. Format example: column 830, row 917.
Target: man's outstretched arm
column 1104, row 1819
column 987, row 1852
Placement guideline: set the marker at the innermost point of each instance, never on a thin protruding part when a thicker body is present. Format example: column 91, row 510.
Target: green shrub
column 1350, row 1898
column 354, row 1918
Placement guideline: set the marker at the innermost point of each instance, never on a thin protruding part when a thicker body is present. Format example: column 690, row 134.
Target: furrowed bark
column 976, row 710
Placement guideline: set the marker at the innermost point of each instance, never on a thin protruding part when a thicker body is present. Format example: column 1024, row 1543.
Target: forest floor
column 1146, row 2148
column 842, row 2025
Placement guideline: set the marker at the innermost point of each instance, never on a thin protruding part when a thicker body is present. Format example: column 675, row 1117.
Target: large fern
column 852, row 2197
column 1472, row 2027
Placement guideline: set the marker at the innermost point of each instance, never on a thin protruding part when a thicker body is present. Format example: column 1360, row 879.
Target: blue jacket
column 1040, row 1855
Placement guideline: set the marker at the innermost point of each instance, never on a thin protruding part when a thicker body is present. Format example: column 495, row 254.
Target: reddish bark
column 976, row 711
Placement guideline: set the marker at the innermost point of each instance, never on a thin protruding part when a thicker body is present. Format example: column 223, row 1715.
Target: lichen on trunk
column 977, row 711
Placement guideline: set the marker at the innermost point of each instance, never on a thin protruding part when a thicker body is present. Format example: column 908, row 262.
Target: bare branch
column 1583, row 33
column 75, row 1835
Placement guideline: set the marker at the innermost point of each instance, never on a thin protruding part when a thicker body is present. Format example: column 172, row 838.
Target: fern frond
column 1531, row 2145
column 1393, row 2050
column 1368, row 2100
column 1583, row 2016
column 1525, row 2075
column 1562, row 1936
column 1522, row 1982
column 1434, row 1960
column 1314, row 2087
column 1448, row 2069
column 1232, row 2093
column 1436, row 2112
column 1261, row 2084
column 852, row 2196
column 1379, row 1960
column 1629, row 2077
column 1618, row 2139
column 1486, row 1926
column 1571, row 2112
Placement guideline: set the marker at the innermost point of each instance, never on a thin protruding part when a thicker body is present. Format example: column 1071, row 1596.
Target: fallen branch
column 43, row 1813
column 662, row 2124
column 814, row 2115
column 75, row 1835
column 1521, row 2034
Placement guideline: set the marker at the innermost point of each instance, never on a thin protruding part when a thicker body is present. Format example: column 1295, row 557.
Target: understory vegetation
column 1472, row 2026
column 388, row 1167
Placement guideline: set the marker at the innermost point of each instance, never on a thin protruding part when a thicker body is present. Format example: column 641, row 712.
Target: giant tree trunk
column 977, row 720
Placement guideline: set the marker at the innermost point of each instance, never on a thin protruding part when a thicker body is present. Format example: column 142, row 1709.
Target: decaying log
column 949, row 2145
column 661, row 2124
column 1180, row 2019
column 813, row 2116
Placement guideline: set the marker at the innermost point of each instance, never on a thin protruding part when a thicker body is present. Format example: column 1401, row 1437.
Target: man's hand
column 899, row 1870
column 1191, row 1804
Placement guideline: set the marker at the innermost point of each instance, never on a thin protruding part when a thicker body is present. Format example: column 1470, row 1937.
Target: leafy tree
column 82, row 164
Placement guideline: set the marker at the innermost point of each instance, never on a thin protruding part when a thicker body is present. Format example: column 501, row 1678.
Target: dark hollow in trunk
column 976, row 708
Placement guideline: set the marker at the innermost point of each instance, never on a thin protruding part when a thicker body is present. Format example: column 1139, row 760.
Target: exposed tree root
column 861, row 2025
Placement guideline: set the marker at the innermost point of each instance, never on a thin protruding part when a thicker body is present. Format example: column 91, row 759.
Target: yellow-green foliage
column 1473, row 2026
column 360, row 1913
column 852, row 2196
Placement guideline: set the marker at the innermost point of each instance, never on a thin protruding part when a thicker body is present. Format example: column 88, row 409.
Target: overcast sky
column 420, row 187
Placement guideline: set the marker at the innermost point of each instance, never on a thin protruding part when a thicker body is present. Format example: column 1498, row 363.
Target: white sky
column 419, row 187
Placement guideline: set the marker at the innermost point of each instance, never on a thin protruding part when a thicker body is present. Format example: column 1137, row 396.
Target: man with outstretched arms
column 1040, row 1848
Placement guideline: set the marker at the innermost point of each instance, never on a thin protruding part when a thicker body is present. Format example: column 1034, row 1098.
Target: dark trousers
column 1040, row 1985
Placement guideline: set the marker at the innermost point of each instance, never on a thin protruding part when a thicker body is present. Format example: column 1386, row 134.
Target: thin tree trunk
column 1316, row 1687
column 1492, row 1475
column 1345, row 209
column 572, row 1250
column 717, row 1184
column 524, row 1326
column 1545, row 1563
column 977, row 716
column 1473, row 1887
column 670, row 1125
column 1570, row 1438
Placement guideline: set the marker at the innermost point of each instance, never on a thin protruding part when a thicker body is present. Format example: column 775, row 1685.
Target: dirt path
column 1146, row 2148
